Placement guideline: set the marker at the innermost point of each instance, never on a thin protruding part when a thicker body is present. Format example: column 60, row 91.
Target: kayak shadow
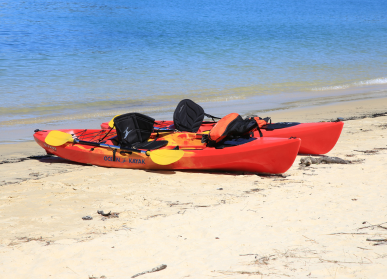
column 169, row 172
column 219, row 172
column 161, row 171
column 238, row 173
column 50, row 159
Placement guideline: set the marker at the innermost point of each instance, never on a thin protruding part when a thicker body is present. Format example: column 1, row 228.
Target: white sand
column 313, row 222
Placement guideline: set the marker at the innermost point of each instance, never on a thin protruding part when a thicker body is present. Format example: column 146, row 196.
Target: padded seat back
column 188, row 116
column 133, row 128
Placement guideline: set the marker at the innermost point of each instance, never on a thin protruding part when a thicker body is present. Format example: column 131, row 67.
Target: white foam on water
column 373, row 81
column 355, row 84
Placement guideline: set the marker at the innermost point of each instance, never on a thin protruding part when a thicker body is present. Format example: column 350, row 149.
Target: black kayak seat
column 188, row 116
column 134, row 130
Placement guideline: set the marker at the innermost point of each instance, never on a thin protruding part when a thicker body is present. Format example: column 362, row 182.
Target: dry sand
column 321, row 221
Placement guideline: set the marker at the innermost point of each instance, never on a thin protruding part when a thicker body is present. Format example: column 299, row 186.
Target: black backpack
column 188, row 116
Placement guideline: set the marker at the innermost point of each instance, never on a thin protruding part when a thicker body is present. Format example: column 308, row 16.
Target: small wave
column 337, row 87
column 372, row 81
column 359, row 83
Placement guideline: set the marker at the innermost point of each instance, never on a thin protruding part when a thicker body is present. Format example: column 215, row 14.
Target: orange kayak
column 258, row 155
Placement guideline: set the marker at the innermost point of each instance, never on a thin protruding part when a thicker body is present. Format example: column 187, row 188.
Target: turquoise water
column 62, row 62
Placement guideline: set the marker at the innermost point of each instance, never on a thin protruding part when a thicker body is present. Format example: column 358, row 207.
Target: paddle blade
column 111, row 122
column 57, row 138
column 165, row 156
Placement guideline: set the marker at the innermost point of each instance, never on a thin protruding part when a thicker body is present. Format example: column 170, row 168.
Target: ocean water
column 70, row 63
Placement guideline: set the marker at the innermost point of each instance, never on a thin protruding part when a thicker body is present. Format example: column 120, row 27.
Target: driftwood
column 379, row 240
column 157, row 268
column 373, row 226
column 323, row 160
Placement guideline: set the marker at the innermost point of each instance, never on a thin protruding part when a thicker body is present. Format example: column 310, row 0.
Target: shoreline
column 349, row 110
column 13, row 131
column 316, row 113
column 319, row 221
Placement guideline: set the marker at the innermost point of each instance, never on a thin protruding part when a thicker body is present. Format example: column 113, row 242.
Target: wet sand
column 320, row 221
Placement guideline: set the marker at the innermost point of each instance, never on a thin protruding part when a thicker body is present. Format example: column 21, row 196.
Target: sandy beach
column 318, row 221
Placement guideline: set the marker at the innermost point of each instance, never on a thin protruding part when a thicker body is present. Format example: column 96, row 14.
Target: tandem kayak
column 259, row 155
column 316, row 138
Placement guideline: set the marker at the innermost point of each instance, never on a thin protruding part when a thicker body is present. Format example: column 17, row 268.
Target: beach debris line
column 157, row 268
column 336, row 120
column 322, row 160
column 372, row 151
column 374, row 115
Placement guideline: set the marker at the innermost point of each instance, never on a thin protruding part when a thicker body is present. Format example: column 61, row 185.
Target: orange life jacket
column 232, row 125
column 261, row 122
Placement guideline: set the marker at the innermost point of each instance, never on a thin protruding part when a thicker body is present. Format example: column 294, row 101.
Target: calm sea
column 65, row 64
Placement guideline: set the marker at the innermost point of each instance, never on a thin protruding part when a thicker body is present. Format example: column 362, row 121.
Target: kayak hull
column 316, row 138
column 263, row 155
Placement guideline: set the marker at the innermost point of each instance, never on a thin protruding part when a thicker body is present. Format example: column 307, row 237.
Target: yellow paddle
column 160, row 156
column 111, row 122
column 58, row 138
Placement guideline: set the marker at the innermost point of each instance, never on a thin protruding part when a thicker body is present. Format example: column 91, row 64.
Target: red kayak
column 259, row 155
column 316, row 138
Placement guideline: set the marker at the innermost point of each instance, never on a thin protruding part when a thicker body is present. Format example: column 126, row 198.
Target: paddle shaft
column 99, row 144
